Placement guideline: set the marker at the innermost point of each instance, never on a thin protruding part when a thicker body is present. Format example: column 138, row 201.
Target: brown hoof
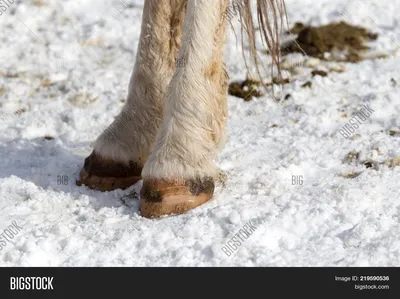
column 166, row 197
column 106, row 175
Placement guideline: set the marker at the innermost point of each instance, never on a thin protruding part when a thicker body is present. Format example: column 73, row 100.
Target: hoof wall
column 166, row 197
column 106, row 175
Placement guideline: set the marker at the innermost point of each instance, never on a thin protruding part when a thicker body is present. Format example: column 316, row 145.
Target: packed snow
column 292, row 185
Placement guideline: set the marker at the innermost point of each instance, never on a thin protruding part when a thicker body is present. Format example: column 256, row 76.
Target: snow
column 72, row 93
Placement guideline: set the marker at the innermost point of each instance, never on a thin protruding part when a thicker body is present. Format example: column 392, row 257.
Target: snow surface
column 72, row 93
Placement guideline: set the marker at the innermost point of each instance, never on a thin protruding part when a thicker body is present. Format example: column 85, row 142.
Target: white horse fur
column 173, row 124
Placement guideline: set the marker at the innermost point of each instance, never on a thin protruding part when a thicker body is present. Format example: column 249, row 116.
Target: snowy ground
column 71, row 92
